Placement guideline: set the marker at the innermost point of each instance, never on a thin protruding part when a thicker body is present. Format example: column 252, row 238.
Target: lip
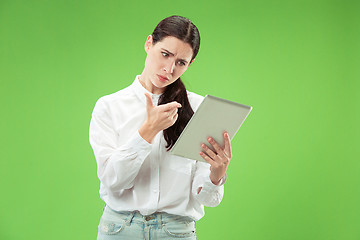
column 162, row 78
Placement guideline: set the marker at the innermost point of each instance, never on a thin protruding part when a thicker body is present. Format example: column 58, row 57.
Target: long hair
column 183, row 29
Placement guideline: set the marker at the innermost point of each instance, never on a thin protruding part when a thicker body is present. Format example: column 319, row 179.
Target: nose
column 169, row 66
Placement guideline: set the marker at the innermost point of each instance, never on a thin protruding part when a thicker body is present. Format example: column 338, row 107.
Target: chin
column 158, row 84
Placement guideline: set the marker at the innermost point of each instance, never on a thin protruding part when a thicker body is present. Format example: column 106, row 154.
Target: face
column 166, row 61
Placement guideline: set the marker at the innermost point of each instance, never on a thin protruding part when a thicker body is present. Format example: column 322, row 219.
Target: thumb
column 149, row 103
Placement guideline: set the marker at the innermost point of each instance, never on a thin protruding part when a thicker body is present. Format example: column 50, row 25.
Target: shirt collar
column 140, row 92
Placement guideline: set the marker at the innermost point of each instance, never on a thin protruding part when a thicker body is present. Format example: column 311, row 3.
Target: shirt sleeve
column 117, row 165
column 210, row 194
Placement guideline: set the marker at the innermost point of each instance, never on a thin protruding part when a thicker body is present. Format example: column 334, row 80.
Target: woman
column 150, row 194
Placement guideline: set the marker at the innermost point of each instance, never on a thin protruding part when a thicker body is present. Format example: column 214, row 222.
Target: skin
column 218, row 160
column 170, row 58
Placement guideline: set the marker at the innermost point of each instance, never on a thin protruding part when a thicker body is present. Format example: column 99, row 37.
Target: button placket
column 155, row 172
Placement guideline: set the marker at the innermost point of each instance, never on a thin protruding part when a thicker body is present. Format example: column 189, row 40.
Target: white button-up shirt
column 137, row 175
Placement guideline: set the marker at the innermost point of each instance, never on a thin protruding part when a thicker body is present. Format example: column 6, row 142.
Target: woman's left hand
column 218, row 160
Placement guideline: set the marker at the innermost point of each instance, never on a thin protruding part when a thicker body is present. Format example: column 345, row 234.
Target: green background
column 295, row 170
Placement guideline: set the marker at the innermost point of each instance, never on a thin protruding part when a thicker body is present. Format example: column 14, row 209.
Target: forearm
column 118, row 168
column 208, row 194
column 204, row 189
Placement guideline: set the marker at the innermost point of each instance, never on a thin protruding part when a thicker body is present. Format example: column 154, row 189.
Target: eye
column 181, row 63
column 164, row 54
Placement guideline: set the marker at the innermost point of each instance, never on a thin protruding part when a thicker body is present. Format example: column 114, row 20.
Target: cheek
column 151, row 60
column 180, row 71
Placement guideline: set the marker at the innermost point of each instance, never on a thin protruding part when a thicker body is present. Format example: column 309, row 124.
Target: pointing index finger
column 170, row 106
column 148, row 99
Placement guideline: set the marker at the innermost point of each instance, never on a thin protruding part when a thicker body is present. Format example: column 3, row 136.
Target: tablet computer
column 213, row 117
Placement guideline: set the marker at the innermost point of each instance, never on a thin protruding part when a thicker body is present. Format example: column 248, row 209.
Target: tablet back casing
column 213, row 117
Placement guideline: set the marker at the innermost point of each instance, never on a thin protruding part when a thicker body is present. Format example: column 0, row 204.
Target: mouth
column 162, row 78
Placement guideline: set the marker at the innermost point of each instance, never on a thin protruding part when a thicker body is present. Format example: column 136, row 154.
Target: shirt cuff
column 138, row 141
column 209, row 186
column 138, row 144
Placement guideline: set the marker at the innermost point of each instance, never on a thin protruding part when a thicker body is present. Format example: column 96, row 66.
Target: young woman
column 150, row 194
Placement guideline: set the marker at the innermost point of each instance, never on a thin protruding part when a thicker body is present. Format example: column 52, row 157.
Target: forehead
column 176, row 46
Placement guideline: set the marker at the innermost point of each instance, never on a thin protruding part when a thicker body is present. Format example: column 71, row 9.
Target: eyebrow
column 173, row 54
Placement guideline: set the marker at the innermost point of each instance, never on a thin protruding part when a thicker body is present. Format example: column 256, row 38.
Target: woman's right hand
column 158, row 118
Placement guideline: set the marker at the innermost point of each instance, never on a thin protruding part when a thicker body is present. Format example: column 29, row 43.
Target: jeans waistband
column 155, row 218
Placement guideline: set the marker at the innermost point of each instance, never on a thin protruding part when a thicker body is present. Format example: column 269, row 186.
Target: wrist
column 147, row 132
column 215, row 180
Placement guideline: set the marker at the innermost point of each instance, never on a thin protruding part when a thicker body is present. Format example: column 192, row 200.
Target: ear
column 148, row 43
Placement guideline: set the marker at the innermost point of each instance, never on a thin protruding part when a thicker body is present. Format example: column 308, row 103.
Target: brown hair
column 183, row 29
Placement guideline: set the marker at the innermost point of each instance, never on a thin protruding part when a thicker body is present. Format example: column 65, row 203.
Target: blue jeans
column 132, row 226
